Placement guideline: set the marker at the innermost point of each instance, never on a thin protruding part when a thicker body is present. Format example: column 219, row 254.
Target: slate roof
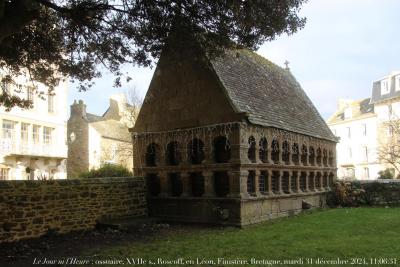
column 269, row 94
column 359, row 109
column 393, row 93
column 112, row 129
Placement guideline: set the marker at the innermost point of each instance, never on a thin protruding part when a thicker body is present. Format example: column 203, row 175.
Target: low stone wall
column 381, row 192
column 30, row 209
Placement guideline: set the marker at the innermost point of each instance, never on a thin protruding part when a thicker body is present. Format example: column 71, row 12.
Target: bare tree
column 134, row 102
column 389, row 145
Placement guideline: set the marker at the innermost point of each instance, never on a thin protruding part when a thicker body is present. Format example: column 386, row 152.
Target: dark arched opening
column 222, row 149
column 196, row 151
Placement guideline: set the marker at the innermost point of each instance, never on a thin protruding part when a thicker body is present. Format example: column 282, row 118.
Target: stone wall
column 381, row 192
column 30, row 209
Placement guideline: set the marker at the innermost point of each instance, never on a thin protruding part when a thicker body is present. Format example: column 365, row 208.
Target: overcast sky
column 344, row 47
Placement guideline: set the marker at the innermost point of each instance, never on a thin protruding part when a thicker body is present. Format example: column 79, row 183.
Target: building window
column 364, row 129
column 385, row 88
column 4, row 174
column 221, row 183
column 390, row 111
column 47, row 136
column 303, row 181
column 286, row 152
column 151, row 155
column 251, row 182
column 173, row 155
column 275, row 151
column 24, row 132
column 262, row 182
column 275, row 182
column 8, row 129
column 222, row 149
column 176, row 184
column 365, row 154
column 366, row 173
column 263, row 152
column 197, row 183
column 35, row 134
column 196, row 151
column 348, row 132
column 153, row 184
column 50, row 103
column 251, row 152
column 29, row 93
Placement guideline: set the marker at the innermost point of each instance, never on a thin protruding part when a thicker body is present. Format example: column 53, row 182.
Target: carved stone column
column 209, row 188
column 257, row 183
column 280, row 191
column 186, row 183
column 298, row 181
column 269, row 182
column 238, row 184
column 307, row 181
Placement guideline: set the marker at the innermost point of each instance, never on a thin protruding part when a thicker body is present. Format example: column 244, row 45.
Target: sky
column 344, row 47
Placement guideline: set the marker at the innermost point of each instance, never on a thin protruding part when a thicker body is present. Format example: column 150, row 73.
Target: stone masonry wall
column 381, row 192
column 30, row 209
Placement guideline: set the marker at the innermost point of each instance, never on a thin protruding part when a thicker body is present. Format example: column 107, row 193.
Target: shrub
column 107, row 170
column 346, row 194
column 386, row 174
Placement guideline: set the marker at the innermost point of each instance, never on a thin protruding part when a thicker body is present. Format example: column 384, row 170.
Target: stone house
column 95, row 140
column 232, row 140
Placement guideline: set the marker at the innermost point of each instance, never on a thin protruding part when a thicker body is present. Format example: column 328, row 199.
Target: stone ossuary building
column 233, row 140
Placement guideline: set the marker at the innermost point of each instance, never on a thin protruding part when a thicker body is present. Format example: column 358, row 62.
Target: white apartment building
column 33, row 141
column 360, row 128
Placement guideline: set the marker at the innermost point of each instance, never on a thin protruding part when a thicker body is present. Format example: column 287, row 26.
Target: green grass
column 329, row 234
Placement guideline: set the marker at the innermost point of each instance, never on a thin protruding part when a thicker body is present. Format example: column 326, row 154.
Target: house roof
column 377, row 96
column 269, row 94
column 360, row 109
column 93, row 118
column 112, row 129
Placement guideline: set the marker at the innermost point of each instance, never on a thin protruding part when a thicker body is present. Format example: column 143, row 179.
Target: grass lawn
column 347, row 234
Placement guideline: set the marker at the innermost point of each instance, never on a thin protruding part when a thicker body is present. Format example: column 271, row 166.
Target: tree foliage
column 51, row 39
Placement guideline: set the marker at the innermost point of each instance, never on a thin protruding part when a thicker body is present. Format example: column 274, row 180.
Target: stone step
column 126, row 223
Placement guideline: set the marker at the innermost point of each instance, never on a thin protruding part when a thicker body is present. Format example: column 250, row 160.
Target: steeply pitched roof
column 112, row 129
column 269, row 94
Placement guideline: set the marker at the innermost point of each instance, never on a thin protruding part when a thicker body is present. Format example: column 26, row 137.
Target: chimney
column 78, row 109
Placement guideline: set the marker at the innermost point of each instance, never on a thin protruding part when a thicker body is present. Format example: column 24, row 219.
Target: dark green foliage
column 356, row 193
column 107, row 170
column 386, row 174
column 73, row 38
column 346, row 194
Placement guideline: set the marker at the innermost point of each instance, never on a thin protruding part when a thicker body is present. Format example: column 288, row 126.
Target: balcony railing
column 11, row 147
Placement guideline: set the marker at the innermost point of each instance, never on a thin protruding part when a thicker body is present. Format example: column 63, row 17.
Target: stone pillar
column 186, row 183
column 209, row 188
column 307, row 182
column 290, row 182
column 269, row 183
column 208, row 153
column 238, row 184
column 298, row 181
column 280, row 182
column 164, row 185
column 257, row 151
column 257, row 183
column 280, row 162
